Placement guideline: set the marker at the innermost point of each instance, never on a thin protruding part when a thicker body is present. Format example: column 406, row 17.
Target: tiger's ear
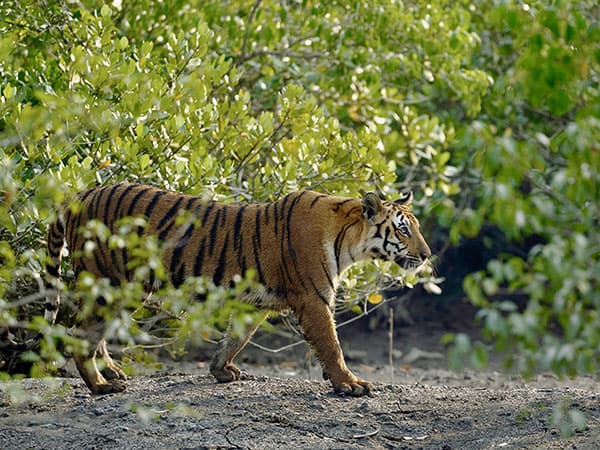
column 406, row 199
column 371, row 204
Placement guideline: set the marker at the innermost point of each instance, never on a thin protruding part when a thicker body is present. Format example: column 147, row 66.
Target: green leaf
column 105, row 11
column 8, row 91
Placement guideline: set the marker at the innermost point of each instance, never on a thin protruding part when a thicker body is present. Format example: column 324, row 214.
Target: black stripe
column 284, row 251
column 321, row 296
column 60, row 227
column 99, row 264
column 339, row 240
column 285, row 266
column 124, row 193
column 99, row 196
column 275, row 217
column 179, row 248
column 214, row 230
column 238, row 240
column 54, row 249
column 75, row 230
column 55, row 234
column 91, row 206
column 237, row 227
column 152, row 204
column 87, row 193
column 243, row 266
column 291, row 250
column 256, row 248
column 67, row 219
column 149, row 283
column 316, row 199
column 386, row 242
column 178, row 276
column 55, row 243
column 283, row 204
column 266, row 214
column 125, row 189
column 351, row 210
column 149, row 208
column 190, row 207
column 338, row 205
column 163, row 234
column 199, row 259
column 329, row 279
column 220, row 270
column 125, row 260
column 69, row 222
column 378, row 232
column 119, row 215
column 107, row 205
column 186, row 236
column 111, row 263
column 99, row 255
column 224, row 215
column 115, row 263
column 172, row 210
column 52, row 270
column 135, row 200
column 282, row 275
column 174, row 265
column 257, row 227
column 282, row 211
column 207, row 211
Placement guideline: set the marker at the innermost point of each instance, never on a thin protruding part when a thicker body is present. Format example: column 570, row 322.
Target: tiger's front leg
column 316, row 320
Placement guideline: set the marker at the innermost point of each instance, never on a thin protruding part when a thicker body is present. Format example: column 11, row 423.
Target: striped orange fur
column 299, row 246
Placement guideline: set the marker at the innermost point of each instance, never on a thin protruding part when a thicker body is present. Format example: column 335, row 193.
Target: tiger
column 299, row 246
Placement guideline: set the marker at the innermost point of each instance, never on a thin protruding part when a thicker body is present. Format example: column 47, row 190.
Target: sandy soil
column 278, row 406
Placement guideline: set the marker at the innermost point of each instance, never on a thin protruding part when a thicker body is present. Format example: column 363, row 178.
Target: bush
column 489, row 111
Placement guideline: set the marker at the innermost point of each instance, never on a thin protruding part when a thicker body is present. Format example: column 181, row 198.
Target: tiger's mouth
column 411, row 263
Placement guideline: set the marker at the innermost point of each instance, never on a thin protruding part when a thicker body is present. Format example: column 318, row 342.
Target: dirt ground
column 284, row 404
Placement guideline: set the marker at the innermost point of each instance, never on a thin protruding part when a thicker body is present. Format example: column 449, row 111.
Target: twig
column 391, row 344
column 248, row 26
column 369, row 434
column 31, row 298
column 340, row 325
column 276, row 350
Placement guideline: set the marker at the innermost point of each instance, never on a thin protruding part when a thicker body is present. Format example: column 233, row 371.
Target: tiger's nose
column 425, row 253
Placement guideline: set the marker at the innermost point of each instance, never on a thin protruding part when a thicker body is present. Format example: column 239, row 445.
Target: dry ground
column 278, row 407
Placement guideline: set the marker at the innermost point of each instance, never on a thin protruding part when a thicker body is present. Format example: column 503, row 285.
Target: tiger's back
column 206, row 238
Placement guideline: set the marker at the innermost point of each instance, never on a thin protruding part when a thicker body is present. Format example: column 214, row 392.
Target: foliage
column 100, row 93
column 533, row 155
column 488, row 110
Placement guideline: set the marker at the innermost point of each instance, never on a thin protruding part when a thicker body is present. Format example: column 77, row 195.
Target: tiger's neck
column 348, row 246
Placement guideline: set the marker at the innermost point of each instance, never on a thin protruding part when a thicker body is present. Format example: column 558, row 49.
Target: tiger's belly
column 266, row 298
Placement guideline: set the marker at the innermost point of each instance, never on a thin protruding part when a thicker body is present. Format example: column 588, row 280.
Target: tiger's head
column 393, row 232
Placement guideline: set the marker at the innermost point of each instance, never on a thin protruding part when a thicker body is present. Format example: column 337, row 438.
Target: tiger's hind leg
column 95, row 381
column 111, row 370
column 88, row 367
column 221, row 366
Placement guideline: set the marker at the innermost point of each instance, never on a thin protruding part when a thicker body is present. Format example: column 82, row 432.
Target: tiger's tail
column 56, row 242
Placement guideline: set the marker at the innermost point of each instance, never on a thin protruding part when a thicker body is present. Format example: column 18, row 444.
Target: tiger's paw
column 110, row 387
column 113, row 373
column 227, row 373
column 354, row 388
